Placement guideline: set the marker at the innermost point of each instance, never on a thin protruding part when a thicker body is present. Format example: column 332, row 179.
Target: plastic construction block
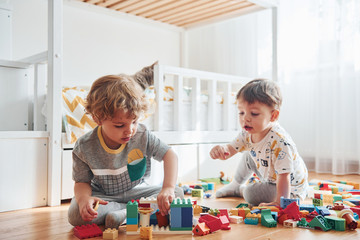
column 336, row 223
column 187, row 217
column 225, row 212
column 234, row 212
column 197, row 209
column 274, row 215
column 290, row 223
column 175, row 218
column 214, row 212
column 197, row 193
column 266, row 219
column 110, row 233
column 241, row 205
column 224, row 220
column 307, row 207
column 212, row 222
column 163, row 221
column 87, row 231
column 205, row 209
column 254, row 215
column 146, row 232
column 251, row 221
column 317, row 202
column 236, row 219
column 131, row 228
column 201, row 229
column 323, row 211
column 256, row 211
column 284, row 202
column 292, row 210
column 319, row 222
column 148, row 200
column 181, row 215
column 132, row 209
column 303, row 223
column 176, row 203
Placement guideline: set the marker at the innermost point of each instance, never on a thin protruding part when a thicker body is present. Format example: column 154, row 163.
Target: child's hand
column 86, row 207
column 220, row 152
column 164, row 199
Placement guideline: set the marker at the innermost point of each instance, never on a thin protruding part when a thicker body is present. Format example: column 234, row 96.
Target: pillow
column 75, row 120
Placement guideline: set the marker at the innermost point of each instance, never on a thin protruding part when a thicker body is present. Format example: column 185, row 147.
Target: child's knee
column 73, row 213
column 259, row 192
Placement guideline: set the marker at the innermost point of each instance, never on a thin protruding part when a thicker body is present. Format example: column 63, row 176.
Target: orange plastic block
column 131, row 228
column 146, row 233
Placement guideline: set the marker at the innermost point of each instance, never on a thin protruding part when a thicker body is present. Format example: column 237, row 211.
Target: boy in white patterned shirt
column 268, row 151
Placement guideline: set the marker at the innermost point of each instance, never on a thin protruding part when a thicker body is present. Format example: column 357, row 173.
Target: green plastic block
column 197, row 193
column 204, row 186
column 132, row 209
column 214, row 212
column 336, row 223
column 181, row 203
column 266, row 218
column 317, row 202
column 242, row 205
column 303, row 223
column 337, row 198
column 320, row 222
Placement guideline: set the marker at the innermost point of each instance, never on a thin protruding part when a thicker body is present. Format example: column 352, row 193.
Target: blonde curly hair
column 114, row 92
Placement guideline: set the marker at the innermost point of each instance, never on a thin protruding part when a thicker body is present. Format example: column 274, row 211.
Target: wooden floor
column 51, row 223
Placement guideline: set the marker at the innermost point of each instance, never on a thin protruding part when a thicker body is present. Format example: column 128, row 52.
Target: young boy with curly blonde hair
column 111, row 162
column 267, row 149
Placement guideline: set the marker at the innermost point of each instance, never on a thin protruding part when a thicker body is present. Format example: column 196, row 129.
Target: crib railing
column 197, row 79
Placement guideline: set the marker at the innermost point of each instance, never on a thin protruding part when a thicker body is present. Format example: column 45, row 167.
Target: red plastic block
column 292, row 210
column 87, row 231
column 211, row 221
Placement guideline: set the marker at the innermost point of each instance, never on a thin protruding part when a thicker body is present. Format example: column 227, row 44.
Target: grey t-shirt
column 114, row 171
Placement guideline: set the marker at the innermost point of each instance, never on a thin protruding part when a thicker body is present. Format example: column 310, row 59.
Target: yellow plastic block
column 132, row 228
column 234, row 212
column 110, row 233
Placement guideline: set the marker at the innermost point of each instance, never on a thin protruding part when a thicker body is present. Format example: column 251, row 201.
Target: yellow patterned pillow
column 76, row 122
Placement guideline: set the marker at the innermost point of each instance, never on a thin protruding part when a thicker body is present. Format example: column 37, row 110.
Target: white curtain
column 319, row 72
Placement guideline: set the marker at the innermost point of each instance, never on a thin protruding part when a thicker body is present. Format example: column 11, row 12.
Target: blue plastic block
column 153, row 219
column 132, row 221
column 308, row 207
column 175, row 217
column 256, row 211
column 251, row 221
column 274, row 215
column 186, row 217
column 284, row 202
column 323, row 211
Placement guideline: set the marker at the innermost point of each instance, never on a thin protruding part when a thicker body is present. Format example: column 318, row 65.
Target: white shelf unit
column 30, row 151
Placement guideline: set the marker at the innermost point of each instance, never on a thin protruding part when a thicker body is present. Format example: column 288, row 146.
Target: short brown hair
column 113, row 92
column 263, row 91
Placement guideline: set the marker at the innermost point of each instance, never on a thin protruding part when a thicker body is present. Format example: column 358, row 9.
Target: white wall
column 95, row 43
column 240, row 46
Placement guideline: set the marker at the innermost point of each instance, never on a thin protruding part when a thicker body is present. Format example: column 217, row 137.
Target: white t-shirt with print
column 275, row 154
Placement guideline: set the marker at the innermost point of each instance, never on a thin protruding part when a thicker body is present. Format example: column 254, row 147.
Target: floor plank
column 51, row 223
